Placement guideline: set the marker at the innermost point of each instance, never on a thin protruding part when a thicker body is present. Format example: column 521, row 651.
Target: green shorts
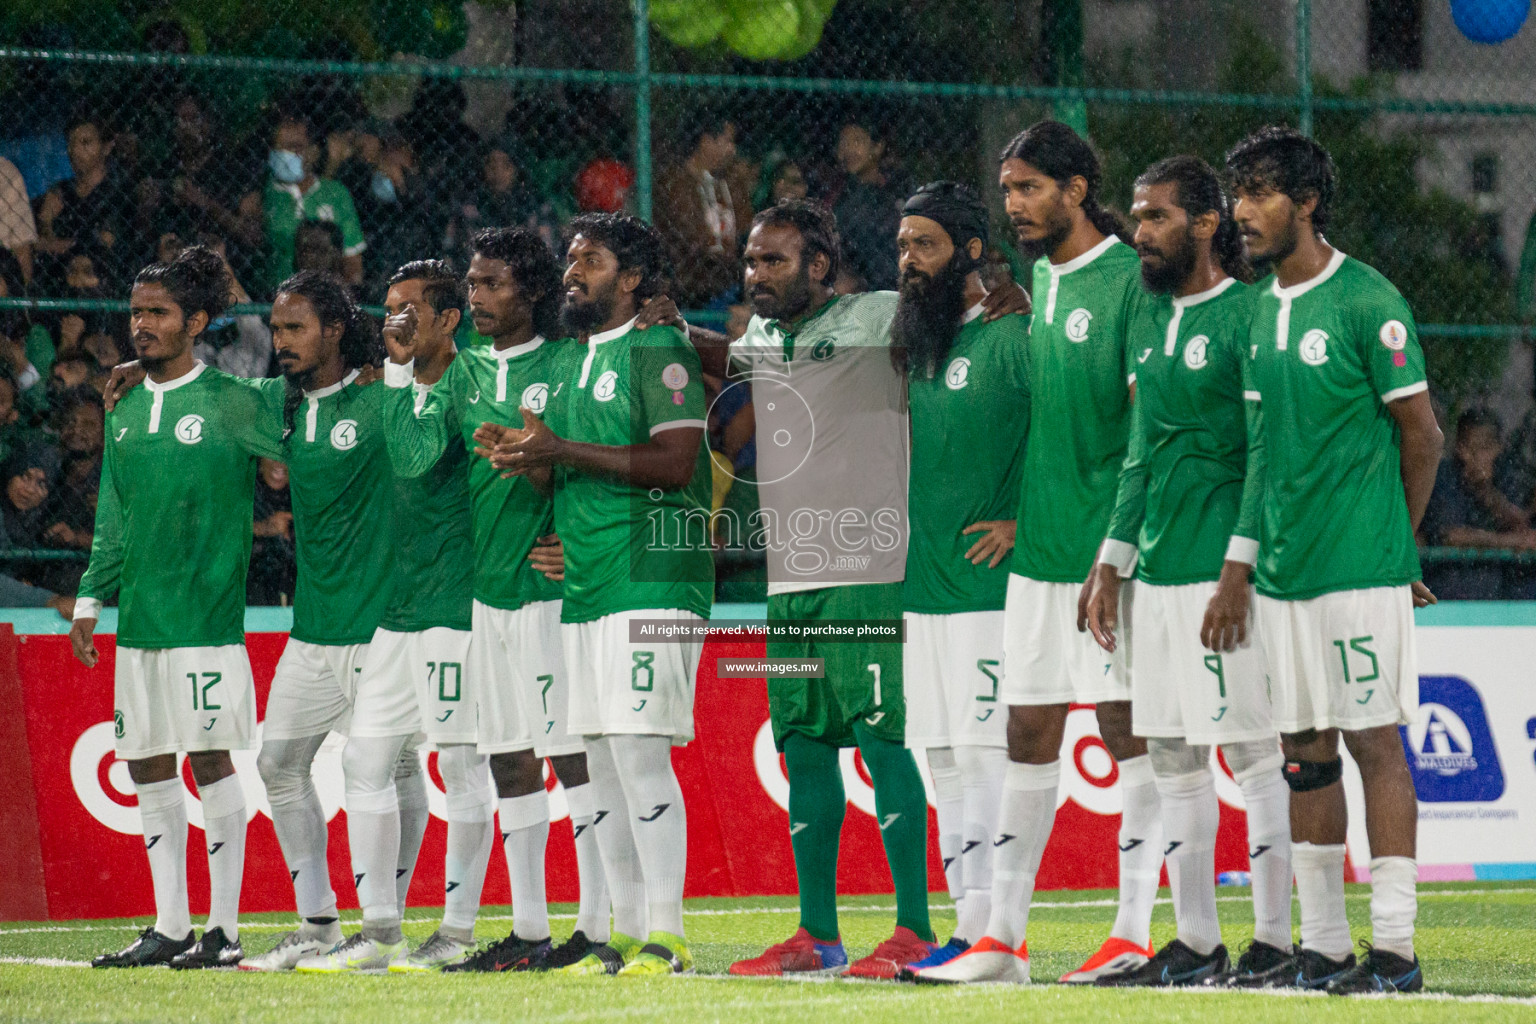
column 862, row 681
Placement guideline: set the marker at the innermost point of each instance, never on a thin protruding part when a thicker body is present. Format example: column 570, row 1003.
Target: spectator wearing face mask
column 294, row 195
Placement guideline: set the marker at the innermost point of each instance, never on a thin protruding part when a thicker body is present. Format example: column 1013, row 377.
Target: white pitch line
column 1437, row 997
column 723, row 912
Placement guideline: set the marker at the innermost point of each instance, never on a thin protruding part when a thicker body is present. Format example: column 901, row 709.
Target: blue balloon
column 1489, row 21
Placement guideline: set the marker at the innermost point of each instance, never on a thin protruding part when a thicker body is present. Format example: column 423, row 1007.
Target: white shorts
column 182, row 699
column 951, row 669
column 1181, row 690
column 1046, row 660
column 417, row 682
column 521, row 685
column 620, row 687
column 313, row 689
column 1343, row 660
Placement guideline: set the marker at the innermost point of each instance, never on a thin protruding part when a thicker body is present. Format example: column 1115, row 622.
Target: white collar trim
column 514, row 351
column 332, row 389
column 1079, row 262
column 599, row 338
column 187, row 378
column 1297, row 290
column 1205, row 296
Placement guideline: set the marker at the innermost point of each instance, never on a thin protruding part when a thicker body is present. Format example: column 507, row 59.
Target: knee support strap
column 1306, row 776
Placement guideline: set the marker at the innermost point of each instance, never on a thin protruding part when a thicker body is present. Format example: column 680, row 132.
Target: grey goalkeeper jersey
column 832, row 445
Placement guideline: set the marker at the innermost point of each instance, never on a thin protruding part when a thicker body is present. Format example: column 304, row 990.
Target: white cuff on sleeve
column 1243, row 549
column 399, row 375
column 1120, row 555
column 28, row 377
column 87, row 608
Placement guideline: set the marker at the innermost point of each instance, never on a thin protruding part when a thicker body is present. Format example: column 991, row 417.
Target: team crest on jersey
column 344, row 435
column 606, row 387
column 535, row 397
column 958, row 374
column 1394, row 335
column 1077, row 325
column 1314, row 347
column 1194, row 352
column 823, row 350
column 675, row 376
column 189, row 429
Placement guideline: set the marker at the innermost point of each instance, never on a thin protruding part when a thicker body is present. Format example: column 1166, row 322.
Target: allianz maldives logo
column 1441, row 741
column 1450, row 748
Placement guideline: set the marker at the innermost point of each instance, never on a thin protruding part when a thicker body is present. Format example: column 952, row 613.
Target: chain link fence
column 359, row 134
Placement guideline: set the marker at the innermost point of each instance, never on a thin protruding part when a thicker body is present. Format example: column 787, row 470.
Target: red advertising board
column 72, row 845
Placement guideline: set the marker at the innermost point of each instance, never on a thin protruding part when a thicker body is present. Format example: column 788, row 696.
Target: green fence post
column 643, row 107
column 1304, row 63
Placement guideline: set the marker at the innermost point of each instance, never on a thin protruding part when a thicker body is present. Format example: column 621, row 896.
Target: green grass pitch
column 1477, row 941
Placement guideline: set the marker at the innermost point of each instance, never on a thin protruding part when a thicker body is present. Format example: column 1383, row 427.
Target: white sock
column 592, row 916
column 411, row 794
column 616, row 841
column 299, row 822
column 1394, row 904
column 373, row 826
column 1190, row 816
column 163, row 811
column 471, row 833
column 659, row 821
column 981, row 772
column 524, row 837
column 224, row 825
column 949, row 809
column 1320, row 890
column 1141, row 829
column 1023, row 828
column 373, row 835
column 1268, row 799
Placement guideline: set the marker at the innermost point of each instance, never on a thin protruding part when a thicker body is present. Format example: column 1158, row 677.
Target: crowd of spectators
column 323, row 184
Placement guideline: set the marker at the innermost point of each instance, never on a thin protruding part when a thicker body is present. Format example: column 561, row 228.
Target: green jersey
column 1080, row 371
column 969, row 424
column 483, row 385
column 434, row 546
column 629, row 547
column 173, row 516
column 285, row 207
column 1325, row 498
column 342, row 489
column 1182, row 484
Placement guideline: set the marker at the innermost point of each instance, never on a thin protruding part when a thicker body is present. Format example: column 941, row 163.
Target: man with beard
column 515, row 678
column 624, row 452
column 967, row 390
column 1087, row 290
column 820, row 365
column 1199, row 679
column 339, row 476
column 1344, row 452
column 173, row 539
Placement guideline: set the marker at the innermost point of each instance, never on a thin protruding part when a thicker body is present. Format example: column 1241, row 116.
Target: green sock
column 902, row 809
column 816, row 807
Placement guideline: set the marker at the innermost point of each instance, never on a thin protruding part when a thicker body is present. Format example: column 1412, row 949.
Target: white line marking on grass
column 353, row 918
column 1438, row 997
column 42, row 961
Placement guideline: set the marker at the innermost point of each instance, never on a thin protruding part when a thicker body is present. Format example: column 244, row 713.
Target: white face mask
column 287, row 166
